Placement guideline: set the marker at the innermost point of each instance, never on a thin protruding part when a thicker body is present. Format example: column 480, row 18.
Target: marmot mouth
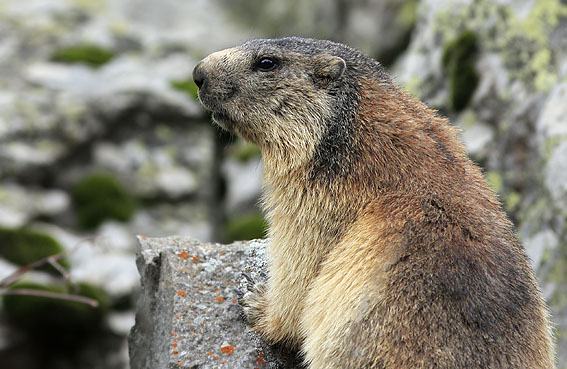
column 223, row 120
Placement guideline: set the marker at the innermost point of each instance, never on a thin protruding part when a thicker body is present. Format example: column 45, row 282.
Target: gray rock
column 244, row 183
column 19, row 204
column 477, row 138
column 552, row 121
column 556, row 175
column 188, row 315
column 537, row 245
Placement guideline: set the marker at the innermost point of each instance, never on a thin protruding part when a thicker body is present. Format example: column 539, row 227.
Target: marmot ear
column 329, row 67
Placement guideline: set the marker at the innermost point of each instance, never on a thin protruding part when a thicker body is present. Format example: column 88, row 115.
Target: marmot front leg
column 272, row 314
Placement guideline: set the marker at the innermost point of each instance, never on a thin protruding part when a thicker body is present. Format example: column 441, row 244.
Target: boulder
column 188, row 314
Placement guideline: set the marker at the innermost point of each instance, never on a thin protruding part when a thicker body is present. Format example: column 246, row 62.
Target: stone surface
column 188, row 315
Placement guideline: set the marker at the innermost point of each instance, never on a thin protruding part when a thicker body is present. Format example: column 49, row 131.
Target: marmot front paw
column 253, row 301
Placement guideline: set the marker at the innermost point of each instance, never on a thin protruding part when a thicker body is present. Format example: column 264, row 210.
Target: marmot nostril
column 198, row 76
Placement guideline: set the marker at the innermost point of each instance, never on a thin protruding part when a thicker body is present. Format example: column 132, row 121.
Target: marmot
column 388, row 249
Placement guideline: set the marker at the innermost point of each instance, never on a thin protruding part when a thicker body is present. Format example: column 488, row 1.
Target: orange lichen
column 183, row 254
column 175, row 352
column 216, row 358
column 260, row 361
column 195, row 259
column 216, row 291
column 173, row 334
column 181, row 293
column 229, row 349
column 143, row 237
column 209, row 353
column 174, row 345
column 220, row 298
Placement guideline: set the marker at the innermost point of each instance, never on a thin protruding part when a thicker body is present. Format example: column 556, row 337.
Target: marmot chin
column 388, row 249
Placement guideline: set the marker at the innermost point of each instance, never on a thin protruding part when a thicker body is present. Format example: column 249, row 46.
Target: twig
column 26, row 268
column 52, row 260
column 56, row 295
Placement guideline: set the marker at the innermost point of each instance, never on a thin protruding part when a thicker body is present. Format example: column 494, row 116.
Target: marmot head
column 283, row 94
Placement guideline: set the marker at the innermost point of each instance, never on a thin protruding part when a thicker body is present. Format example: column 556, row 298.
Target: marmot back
column 388, row 248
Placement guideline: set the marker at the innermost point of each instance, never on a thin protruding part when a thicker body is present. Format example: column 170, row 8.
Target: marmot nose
column 199, row 75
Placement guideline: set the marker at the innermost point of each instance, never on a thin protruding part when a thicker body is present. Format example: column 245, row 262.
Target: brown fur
column 408, row 261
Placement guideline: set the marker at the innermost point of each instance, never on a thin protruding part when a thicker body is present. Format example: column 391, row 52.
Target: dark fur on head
column 243, row 95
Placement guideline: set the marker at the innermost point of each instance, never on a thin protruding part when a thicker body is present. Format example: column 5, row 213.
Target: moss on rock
column 495, row 181
column 187, row 86
column 99, row 197
column 244, row 151
column 90, row 54
column 246, row 227
column 46, row 317
column 520, row 38
column 458, row 64
column 405, row 21
column 23, row 246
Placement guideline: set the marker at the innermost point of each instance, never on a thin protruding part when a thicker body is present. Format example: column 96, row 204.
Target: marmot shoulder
column 388, row 248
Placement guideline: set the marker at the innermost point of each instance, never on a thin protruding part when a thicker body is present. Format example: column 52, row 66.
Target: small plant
column 72, row 310
column 23, row 247
column 458, row 63
column 246, row 227
column 41, row 308
column 7, row 284
column 90, row 54
column 244, row 151
column 99, row 197
column 187, row 86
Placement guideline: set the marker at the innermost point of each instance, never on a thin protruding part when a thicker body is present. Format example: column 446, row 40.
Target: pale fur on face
column 282, row 112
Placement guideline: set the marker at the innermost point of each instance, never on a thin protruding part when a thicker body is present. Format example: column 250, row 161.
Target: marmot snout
column 388, row 248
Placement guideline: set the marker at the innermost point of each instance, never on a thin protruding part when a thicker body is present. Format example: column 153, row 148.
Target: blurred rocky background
column 101, row 138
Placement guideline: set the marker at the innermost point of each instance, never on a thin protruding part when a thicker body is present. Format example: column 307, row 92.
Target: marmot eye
column 266, row 64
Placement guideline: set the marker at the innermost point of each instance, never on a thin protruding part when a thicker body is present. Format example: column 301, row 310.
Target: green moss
column 23, row 247
column 469, row 120
column 413, row 86
column 99, row 197
column 495, row 181
column 246, row 227
column 93, row 6
column 512, row 201
column 405, row 20
column 458, row 64
column 89, row 54
column 557, row 275
column 540, row 62
column 187, row 86
column 51, row 317
column 521, row 40
column 244, row 151
column 407, row 16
